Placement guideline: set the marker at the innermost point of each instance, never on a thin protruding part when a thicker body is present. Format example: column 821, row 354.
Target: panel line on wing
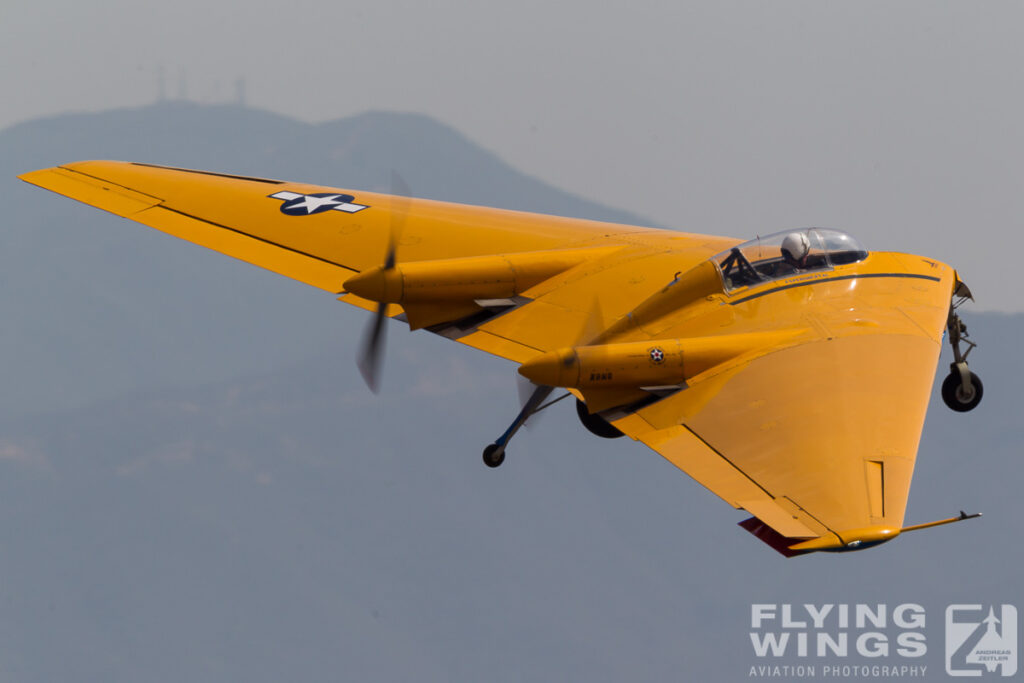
column 261, row 239
column 106, row 181
column 219, row 175
column 719, row 454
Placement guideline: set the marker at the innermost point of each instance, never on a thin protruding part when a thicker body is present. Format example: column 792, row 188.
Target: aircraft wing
column 817, row 436
column 323, row 236
column 811, row 423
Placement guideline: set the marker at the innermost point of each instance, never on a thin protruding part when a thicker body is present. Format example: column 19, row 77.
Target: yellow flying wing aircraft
column 789, row 374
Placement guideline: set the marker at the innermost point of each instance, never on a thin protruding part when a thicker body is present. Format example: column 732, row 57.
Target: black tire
column 493, row 456
column 952, row 392
column 596, row 424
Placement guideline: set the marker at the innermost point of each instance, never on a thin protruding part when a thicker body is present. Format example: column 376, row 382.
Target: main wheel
column 954, row 395
column 494, row 455
column 596, row 424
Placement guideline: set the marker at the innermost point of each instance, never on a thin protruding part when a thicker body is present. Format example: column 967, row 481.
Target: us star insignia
column 296, row 204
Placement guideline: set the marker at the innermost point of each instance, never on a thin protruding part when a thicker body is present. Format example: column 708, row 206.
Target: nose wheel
column 962, row 389
column 494, row 455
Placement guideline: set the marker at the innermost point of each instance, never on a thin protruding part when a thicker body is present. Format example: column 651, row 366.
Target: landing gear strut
column 962, row 389
column 494, row 454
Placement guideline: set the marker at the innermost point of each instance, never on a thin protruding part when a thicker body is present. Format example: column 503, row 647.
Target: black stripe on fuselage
column 832, row 279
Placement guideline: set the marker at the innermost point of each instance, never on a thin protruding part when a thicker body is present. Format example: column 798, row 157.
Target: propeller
column 525, row 389
column 371, row 354
column 590, row 333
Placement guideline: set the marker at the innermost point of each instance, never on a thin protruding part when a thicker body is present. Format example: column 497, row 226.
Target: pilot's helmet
column 795, row 246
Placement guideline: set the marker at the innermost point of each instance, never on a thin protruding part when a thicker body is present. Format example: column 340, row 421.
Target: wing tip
column 34, row 177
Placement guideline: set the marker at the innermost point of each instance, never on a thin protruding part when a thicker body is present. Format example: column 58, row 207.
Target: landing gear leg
column 494, row 454
column 962, row 389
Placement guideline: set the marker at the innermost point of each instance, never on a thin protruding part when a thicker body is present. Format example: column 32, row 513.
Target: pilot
column 795, row 248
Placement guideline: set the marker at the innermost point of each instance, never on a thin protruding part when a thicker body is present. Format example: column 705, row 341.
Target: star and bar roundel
column 296, row 204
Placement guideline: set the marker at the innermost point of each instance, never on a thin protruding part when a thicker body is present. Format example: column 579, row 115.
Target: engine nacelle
column 645, row 364
column 443, row 290
column 466, row 279
column 633, row 364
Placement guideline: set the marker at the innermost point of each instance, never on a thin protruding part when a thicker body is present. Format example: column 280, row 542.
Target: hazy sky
column 900, row 122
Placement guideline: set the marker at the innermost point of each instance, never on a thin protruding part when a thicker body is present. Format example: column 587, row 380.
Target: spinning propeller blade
column 371, row 354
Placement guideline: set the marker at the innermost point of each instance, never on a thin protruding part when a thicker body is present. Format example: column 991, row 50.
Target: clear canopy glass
column 764, row 259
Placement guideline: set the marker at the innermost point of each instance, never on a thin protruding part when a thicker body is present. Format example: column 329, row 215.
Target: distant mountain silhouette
column 357, row 152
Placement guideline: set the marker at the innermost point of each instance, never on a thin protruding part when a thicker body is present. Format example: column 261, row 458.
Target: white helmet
column 795, row 246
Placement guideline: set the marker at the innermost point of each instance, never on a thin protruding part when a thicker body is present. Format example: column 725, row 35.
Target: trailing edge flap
column 687, row 451
column 148, row 210
column 93, row 191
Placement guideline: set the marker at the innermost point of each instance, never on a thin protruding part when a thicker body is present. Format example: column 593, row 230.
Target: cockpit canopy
column 764, row 259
